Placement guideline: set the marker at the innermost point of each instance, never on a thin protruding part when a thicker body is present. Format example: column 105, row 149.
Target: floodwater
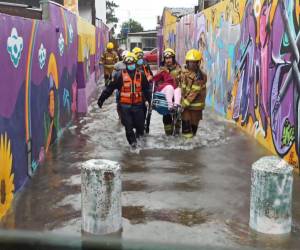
column 192, row 192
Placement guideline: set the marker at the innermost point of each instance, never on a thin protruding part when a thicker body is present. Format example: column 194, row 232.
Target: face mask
column 140, row 61
column 131, row 67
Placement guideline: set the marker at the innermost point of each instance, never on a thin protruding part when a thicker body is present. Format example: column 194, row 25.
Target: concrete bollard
column 101, row 197
column 271, row 196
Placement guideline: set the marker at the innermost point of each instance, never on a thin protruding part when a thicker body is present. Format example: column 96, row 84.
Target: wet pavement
column 189, row 192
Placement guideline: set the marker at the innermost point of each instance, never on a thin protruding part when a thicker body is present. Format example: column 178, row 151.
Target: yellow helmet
column 130, row 58
column 110, row 45
column 168, row 52
column 193, row 55
column 137, row 51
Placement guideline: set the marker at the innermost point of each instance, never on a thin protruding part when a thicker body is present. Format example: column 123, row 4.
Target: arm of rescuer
column 116, row 83
column 198, row 88
column 102, row 59
column 116, row 57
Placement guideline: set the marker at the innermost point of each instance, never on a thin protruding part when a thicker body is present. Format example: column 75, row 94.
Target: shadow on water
column 139, row 214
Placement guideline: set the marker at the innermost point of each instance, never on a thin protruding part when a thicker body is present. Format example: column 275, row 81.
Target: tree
column 130, row 26
column 110, row 14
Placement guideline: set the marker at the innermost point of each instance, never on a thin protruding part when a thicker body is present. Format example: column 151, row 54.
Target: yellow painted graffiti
column 72, row 5
column 6, row 176
column 86, row 38
column 52, row 70
column 297, row 10
column 169, row 29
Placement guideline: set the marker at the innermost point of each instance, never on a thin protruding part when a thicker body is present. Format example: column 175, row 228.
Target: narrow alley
column 174, row 191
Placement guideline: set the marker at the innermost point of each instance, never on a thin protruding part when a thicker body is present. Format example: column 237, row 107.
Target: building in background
column 31, row 3
column 204, row 4
column 146, row 40
column 90, row 10
column 169, row 19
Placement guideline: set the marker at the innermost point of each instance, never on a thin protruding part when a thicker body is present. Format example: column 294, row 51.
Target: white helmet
column 124, row 53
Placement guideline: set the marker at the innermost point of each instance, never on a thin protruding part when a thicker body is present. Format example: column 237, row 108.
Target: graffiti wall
column 38, row 91
column 86, row 77
column 72, row 5
column 251, row 52
column 215, row 32
column 169, row 29
column 185, row 36
column 265, row 94
column 102, row 38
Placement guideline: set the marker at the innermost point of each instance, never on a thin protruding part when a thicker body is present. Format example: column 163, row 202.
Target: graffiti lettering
column 288, row 136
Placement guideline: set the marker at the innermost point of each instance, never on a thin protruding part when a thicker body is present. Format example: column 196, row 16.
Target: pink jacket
column 162, row 79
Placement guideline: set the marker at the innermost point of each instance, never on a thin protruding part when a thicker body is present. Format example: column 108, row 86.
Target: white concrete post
column 271, row 196
column 101, row 197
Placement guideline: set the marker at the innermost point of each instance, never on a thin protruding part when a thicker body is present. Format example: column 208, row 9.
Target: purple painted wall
column 251, row 55
column 38, row 91
column 90, row 49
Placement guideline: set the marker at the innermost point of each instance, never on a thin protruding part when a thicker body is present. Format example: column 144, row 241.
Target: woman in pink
column 166, row 80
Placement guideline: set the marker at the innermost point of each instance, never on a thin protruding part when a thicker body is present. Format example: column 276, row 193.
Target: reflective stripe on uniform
column 186, row 102
column 168, row 129
column 126, row 94
column 200, row 105
column 187, row 135
column 195, row 87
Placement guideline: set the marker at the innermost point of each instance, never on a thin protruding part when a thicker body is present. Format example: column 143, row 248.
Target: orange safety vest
column 131, row 92
column 147, row 73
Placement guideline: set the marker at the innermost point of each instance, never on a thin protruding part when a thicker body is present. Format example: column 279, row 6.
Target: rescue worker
column 193, row 88
column 133, row 87
column 108, row 60
column 117, row 67
column 120, row 65
column 142, row 64
column 173, row 69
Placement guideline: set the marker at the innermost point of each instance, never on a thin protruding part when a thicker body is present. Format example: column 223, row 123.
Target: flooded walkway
column 175, row 191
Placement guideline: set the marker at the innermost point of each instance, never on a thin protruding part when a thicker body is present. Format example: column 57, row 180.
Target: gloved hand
column 100, row 103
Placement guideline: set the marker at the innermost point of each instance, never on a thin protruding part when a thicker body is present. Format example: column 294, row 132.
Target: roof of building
column 179, row 12
column 146, row 32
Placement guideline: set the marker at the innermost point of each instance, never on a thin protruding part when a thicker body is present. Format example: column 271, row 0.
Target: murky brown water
column 174, row 191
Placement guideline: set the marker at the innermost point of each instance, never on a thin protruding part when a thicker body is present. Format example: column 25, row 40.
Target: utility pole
column 200, row 5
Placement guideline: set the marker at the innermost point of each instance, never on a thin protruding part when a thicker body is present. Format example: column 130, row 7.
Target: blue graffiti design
column 15, row 47
column 67, row 102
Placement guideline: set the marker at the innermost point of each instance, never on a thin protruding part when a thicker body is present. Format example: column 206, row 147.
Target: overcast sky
column 146, row 11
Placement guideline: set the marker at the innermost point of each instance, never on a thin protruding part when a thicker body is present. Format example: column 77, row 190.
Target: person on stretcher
column 166, row 84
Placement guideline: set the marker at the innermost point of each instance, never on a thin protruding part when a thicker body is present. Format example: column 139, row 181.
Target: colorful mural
column 6, row 176
column 265, row 100
column 169, row 29
column 86, row 63
column 102, row 38
column 39, row 89
column 72, row 5
column 251, row 53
